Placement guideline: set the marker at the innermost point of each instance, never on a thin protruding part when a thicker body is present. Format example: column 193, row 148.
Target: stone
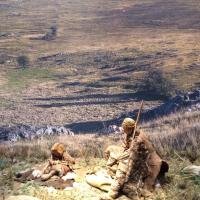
column 192, row 169
column 23, row 132
column 36, row 174
column 69, row 176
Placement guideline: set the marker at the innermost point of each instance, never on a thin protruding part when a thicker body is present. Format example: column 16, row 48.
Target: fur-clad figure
column 146, row 165
column 59, row 164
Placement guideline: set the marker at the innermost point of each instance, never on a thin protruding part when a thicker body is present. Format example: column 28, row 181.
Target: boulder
column 192, row 170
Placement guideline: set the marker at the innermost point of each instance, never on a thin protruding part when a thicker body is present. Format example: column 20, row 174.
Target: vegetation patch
column 3, row 164
column 22, row 78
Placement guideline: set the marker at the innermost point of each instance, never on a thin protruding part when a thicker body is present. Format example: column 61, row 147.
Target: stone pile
column 23, row 132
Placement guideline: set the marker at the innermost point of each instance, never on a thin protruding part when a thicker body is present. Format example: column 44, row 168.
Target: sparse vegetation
column 23, row 61
column 22, row 78
column 3, row 164
column 156, row 84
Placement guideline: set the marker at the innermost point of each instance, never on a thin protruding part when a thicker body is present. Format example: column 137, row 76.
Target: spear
column 130, row 161
column 137, row 120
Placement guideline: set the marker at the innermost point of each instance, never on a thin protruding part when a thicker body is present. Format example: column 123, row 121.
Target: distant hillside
column 91, row 68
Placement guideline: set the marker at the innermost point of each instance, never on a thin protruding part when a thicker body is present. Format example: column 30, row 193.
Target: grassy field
column 99, row 57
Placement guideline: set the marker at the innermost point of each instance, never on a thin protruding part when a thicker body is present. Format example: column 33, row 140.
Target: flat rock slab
column 192, row 169
column 22, row 197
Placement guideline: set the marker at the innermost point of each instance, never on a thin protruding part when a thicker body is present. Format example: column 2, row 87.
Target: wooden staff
column 130, row 161
column 137, row 120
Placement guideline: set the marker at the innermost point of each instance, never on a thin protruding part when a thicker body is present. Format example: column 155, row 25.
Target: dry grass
column 177, row 133
column 175, row 137
column 85, row 146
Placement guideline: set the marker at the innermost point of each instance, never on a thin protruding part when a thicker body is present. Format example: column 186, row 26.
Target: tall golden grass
column 88, row 145
column 175, row 134
column 178, row 133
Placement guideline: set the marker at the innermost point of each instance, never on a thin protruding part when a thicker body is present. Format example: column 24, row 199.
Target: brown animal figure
column 59, row 164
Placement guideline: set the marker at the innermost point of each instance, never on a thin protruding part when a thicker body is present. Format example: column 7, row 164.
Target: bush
column 23, row 61
column 3, row 164
column 157, row 85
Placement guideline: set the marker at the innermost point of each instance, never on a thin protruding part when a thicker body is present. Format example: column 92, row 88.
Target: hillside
column 87, row 62
column 91, row 70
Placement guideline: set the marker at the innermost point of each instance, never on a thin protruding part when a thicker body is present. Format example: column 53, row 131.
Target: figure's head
column 128, row 125
column 57, row 150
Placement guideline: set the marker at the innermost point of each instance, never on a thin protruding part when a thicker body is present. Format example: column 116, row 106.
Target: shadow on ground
column 157, row 14
column 91, row 99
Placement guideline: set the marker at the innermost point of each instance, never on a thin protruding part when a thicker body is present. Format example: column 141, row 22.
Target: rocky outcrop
column 188, row 102
column 22, row 132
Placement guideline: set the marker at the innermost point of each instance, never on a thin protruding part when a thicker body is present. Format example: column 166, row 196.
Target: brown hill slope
column 91, row 69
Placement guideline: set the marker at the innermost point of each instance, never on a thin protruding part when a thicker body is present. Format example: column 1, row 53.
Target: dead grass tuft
column 176, row 134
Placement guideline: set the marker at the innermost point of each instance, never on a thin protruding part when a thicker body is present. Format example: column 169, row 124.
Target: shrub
column 157, row 85
column 3, row 164
column 23, row 61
